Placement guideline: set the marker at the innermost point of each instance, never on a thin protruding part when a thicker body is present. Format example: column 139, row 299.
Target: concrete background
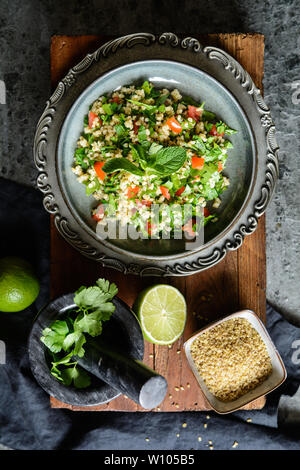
column 25, row 32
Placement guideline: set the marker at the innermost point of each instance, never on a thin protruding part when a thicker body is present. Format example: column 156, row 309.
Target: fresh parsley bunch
column 65, row 338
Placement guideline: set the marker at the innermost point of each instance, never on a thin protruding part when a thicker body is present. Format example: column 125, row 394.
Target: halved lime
column 161, row 310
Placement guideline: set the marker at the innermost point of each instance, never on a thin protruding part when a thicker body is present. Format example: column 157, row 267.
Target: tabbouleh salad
column 142, row 146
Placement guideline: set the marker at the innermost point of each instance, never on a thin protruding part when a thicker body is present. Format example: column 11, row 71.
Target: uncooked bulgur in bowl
column 235, row 361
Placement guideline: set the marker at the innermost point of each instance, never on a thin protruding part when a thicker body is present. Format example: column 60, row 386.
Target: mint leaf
column 139, row 154
column 54, row 337
column 154, row 148
column 121, row 164
column 168, row 160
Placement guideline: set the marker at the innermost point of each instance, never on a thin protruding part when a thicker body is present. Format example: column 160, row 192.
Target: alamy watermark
column 296, row 94
column 157, row 221
column 296, row 354
column 2, row 352
column 2, row 92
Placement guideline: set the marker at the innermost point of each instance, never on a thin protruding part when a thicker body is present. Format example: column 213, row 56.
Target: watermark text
column 296, row 354
column 2, row 92
column 2, row 352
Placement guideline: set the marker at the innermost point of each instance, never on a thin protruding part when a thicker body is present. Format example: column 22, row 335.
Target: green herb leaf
column 161, row 99
column 77, row 339
column 142, row 136
column 78, row 376
column 147, row 88
column 168, row 160
column 208, row 116
column 120, row 130
column 187, row 100
column 94, row 307
column 95, row 186
column 107, row 108
column 108, row 288
column 154, row 148
column 121, row 164
column 54, row 337
column 148, row 107
column 89, row 323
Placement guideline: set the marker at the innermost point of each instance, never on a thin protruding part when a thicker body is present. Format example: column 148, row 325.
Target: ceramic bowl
column 276, row 378
column 205, row 74
column 122, row 331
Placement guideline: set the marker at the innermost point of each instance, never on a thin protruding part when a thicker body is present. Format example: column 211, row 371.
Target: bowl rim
column 211, row 60
column 188, row 343
column 107, row 243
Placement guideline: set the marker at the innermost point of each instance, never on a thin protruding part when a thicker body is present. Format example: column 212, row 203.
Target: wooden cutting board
column 236, row 283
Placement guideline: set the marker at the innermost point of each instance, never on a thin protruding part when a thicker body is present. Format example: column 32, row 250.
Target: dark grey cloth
column 26, row 420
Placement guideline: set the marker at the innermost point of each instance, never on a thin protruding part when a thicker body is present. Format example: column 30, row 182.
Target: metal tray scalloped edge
column 129, row 264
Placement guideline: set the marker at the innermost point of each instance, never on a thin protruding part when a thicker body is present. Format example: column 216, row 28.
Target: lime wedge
column 161, row 310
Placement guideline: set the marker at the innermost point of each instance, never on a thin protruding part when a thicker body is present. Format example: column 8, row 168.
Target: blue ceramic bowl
column 191, row 82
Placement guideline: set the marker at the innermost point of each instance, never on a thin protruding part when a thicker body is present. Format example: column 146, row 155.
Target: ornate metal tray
column 209, row 72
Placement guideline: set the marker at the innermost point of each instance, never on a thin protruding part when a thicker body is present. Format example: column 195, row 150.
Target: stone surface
column 25, row 31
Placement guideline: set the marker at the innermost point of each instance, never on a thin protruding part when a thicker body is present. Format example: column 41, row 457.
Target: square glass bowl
column 276, row 378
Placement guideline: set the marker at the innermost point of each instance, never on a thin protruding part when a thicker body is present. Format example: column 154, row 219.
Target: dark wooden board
column 237, row 282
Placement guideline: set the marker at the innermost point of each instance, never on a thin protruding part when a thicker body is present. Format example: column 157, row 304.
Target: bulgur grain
column 231, row 358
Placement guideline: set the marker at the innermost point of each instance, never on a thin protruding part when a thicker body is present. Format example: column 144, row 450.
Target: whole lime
column 19, row 286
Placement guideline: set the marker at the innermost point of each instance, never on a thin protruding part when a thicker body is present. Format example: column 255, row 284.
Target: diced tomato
column 165, row 192
column 174, row 125
column 220, row 166
column 150, row 227
column 180, row 191
column 92, row 117
column 206, row 212
column 115, row 99
column 194, row 112
column 188, row 227
column 143, row 202
column 99, row 214
column 135, row 127
column 132, row 191
column 214, row 131
column 98, row 169
column 197, row 163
